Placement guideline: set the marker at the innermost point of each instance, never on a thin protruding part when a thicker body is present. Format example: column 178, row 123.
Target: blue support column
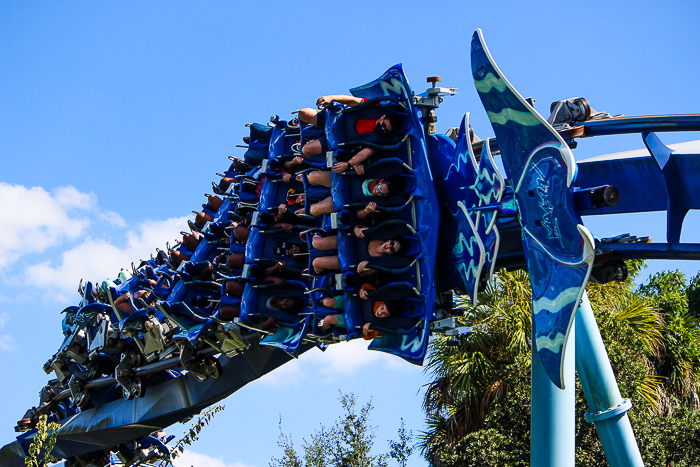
column 553, row 416
column 608, row 410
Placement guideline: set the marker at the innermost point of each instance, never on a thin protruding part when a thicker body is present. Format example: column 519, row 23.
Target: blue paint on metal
column 620, row 408
column 639, row 180
column 677, row 207
column 607, row 407
column 553, row 420
column 644, row 183
column 680, row 251
column 657, row 123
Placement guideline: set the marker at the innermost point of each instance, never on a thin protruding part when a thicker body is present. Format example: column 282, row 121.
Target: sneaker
column 193, row 227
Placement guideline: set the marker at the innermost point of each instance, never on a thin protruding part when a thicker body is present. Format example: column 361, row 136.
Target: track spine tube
column 608, row 410
column 553, row 414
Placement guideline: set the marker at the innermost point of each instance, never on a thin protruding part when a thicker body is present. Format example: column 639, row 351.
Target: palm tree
column 634, row 326
column 468, row 378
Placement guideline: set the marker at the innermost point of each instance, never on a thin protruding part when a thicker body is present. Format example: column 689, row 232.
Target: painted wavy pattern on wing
column 476, row 245
column 413, row 344
column 553, row 345
column 287, row 338
column 464, row 161
column 468, row 254
column 392, row 83
column 553, row 305
column 489, row 186
column 488, row 82
column 515, row 116
column 553, row 314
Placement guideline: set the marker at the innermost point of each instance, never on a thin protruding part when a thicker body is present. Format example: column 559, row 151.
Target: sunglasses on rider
column 379, row 188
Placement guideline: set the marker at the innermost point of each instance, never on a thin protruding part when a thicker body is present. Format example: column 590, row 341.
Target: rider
column 375, row 248
column 386, row 123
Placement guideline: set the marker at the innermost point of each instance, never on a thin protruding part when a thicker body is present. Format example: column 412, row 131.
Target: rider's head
column 286, row 304
column 388, row 123
column 390, row 247
column 383, row 187
column 385, row 309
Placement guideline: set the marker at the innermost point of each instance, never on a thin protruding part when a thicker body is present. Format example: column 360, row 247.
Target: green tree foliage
column 348, row 443
column 478, row 405
column 679, row 364
column 402, row 449
column 470, row 377
column 192, row 434
column 42, row 445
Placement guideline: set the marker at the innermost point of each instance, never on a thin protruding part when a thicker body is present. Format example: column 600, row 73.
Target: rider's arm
column 341, row 99
column 289, row 165
column 361, row 156
column 355, row 161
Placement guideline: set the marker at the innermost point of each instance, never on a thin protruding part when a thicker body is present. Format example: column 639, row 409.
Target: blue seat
column 353, row 250
column 348, row 195
column 258, row 145
column 255, row 303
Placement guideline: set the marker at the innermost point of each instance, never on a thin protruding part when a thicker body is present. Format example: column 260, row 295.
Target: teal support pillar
column 608, row 410
column 553, row 416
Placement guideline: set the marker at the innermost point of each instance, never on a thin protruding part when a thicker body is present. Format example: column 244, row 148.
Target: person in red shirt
column 383, row 124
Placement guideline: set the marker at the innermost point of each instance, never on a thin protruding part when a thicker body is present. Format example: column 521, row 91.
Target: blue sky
column 114, row 117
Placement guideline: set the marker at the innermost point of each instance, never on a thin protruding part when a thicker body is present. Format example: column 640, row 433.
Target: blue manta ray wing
column 517, row 125
column 559, row 249
column 556, row 291
column 468, row 254
column 491, row 242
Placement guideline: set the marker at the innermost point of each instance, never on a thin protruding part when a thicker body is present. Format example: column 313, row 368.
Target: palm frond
column 643, row 319
column 650, row 392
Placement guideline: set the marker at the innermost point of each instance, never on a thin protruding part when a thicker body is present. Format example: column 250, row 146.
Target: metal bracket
column 339, row 282
column 432, row 97
column 666, row 159
column 335, row 221
column 621, row 408
column 448, row 326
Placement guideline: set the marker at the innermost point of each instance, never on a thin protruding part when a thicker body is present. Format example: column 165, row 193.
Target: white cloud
column 4, row 318
column 112, row 218
column 191, row 458
column 32, row 219
column 97, row 260
column 69, row 197
column 346, row 358
column 338, row 361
